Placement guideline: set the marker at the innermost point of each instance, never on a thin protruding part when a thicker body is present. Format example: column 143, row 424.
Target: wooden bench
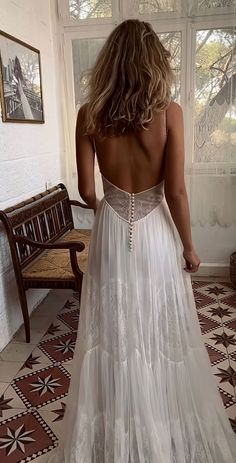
column 47, row 251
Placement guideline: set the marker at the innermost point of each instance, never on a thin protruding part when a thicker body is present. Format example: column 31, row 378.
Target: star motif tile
column 225, row 375
column 222, row 339
column 25, row 436
column 233, row 424
column 214, row 290
column 60, row 348
column 215, row 355
column 15, row 402
column 200, row 283
column 202, row 300
column 233, row 355
column 31, row 362
column 54, row 329
column 228, row 285
column 40, row 356
column 39, row 388
column 60, row 412
column 231, row 324
column 33, row 405
column 207, row 324
column 228, row 399
column 220, row 312
column 231, row 301
column 5, row 404
column 70, row 319
column 57, row 328
column 228, row 339
column 70, row 305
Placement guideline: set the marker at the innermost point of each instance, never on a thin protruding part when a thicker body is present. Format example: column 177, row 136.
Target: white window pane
column 90, row 9
column 84, row 52
column 208, row 4
column 172, row 41
column 215, row 91
column 155, row 6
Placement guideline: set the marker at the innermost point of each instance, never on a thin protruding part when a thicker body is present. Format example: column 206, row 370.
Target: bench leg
column 25, row 312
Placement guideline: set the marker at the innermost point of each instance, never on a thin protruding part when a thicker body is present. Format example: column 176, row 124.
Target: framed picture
column 20, row 81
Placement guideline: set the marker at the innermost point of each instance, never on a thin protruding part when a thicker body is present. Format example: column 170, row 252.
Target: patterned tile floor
column 34, row 378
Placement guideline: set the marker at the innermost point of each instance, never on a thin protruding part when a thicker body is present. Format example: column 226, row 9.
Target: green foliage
column 213, row 57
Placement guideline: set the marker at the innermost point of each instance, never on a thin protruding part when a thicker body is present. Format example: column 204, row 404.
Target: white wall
column 30, row 154
column 213, row 217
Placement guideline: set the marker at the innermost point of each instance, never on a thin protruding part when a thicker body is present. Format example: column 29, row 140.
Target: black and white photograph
column 20, row 81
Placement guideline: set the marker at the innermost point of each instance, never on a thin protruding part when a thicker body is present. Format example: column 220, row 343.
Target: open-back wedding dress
column 142, row 390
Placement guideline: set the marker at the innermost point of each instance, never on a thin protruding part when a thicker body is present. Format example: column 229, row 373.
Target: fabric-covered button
column 131, row 222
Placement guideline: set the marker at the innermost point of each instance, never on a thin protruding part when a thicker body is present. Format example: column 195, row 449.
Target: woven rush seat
column 55, row 263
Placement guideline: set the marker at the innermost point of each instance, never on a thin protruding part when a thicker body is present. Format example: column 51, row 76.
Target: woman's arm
column 85, row 162
column 175, row 189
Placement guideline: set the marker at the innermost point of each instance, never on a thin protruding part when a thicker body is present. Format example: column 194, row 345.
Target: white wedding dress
column 142, row 390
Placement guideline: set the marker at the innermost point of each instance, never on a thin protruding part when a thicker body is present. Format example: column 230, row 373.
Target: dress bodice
column 132, row 207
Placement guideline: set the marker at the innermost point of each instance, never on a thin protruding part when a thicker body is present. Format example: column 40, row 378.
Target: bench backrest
column 44, row 218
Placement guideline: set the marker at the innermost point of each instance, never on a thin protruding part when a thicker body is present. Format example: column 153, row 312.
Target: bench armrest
column 74, row 202
column 71, row 245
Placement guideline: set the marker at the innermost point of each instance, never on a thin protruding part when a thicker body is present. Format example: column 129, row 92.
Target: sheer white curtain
column 201, row 37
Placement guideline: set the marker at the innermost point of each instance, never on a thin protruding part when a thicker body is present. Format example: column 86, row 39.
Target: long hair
column 130, row 81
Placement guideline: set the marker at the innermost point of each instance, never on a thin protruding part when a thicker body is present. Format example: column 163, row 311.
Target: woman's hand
column 192, row 261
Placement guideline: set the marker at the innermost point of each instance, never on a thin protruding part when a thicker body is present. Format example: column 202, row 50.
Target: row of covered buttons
column 131, row 222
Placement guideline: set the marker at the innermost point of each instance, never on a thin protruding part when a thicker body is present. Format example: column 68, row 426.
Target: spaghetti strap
column 165, row 123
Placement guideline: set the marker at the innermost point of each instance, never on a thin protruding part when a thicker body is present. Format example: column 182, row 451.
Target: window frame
column 70, row 22
column 213, row 11
column 204, row 167
column 128, row 10
column 187, row 25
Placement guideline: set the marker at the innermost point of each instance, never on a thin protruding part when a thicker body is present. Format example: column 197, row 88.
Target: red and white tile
column 24, row 437
column 60, row 348
column 33, row 404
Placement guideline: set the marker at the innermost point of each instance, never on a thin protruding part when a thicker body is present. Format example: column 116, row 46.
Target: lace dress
column 142, row 390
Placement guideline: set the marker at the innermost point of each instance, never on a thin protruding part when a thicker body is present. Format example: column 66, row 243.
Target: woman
column 142, row 390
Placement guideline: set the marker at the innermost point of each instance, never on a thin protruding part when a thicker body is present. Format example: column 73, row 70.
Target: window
column 201, row 36
column 213, row 4
column 173, row 42
column 202, row 46
column 90, row 9
column 215, row 91
column 155, row 6
column 84, row 53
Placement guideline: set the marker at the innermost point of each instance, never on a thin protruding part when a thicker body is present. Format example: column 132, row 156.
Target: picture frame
column 20, row 81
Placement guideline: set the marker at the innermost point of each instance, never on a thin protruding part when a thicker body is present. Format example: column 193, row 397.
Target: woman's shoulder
column 174, row 109
column 174, row 114
column 81, row 118
column 82, row 111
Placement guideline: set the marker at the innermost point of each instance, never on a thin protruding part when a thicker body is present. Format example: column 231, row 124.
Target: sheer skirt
column 142, row 390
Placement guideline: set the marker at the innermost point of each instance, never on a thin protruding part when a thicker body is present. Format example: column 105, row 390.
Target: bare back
column 134, row 162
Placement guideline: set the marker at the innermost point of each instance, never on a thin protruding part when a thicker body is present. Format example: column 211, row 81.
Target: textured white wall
column 30, row 154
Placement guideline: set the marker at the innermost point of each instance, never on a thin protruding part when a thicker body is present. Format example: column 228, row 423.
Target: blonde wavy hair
column 130, row 81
